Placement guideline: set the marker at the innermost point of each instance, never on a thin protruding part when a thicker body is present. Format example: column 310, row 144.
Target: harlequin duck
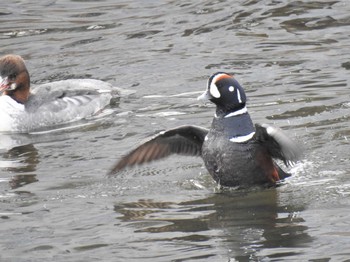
column 236, row 152
column 24, row 109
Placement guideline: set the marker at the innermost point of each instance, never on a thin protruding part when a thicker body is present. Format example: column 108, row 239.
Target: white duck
column 23, row 109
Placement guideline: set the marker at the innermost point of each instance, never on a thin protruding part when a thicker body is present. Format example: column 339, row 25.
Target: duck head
column 225, row 92
column 14, row 78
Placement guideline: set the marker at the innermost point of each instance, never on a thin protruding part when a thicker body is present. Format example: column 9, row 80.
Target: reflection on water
column 251, row 224
column 22, row 161
column 25, row 158
column 22, row 180
column 255, row 222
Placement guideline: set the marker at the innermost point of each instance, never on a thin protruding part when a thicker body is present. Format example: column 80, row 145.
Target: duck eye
column 12, row 76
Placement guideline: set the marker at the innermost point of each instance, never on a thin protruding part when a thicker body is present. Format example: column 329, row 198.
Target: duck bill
column 205, row 96
column 4, row 84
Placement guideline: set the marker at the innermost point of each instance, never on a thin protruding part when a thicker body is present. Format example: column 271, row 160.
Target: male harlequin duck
column 24, row 109
column 235, row 151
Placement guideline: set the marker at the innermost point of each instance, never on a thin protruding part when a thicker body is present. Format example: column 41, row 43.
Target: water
column 56, row 203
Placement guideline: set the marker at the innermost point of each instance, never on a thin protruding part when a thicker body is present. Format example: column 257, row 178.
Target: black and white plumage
column 235, row 151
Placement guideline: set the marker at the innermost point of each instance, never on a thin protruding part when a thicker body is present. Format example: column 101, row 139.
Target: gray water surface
column 292, row 58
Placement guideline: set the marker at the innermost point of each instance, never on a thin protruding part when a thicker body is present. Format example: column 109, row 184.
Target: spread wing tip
column 116, row 168
column 147, row 152
column 280, row 145
column 184, row 140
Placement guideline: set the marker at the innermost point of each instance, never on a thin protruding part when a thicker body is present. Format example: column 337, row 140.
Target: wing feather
column 278, row 144
column 183, row 140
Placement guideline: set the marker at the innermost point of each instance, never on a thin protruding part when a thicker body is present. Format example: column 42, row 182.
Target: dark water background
column 292, row 57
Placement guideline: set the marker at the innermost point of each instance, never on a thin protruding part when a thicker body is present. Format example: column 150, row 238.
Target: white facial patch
column 214, row 91
column 231, row 89
column 13, row 86
column 239, row 96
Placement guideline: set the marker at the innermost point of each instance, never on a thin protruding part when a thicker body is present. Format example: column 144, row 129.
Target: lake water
column 292, row 58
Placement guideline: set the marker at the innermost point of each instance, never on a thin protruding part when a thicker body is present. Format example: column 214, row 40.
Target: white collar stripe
column 237, row 113
column 241, row 139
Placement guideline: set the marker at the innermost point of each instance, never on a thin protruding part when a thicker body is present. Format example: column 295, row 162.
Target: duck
column 236, row 152
column 24, row 108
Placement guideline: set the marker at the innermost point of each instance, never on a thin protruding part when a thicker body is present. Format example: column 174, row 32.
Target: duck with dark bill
column 235, row 151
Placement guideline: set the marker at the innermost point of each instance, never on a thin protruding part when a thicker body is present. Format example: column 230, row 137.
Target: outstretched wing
column 278, row 144
column 183, row 140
